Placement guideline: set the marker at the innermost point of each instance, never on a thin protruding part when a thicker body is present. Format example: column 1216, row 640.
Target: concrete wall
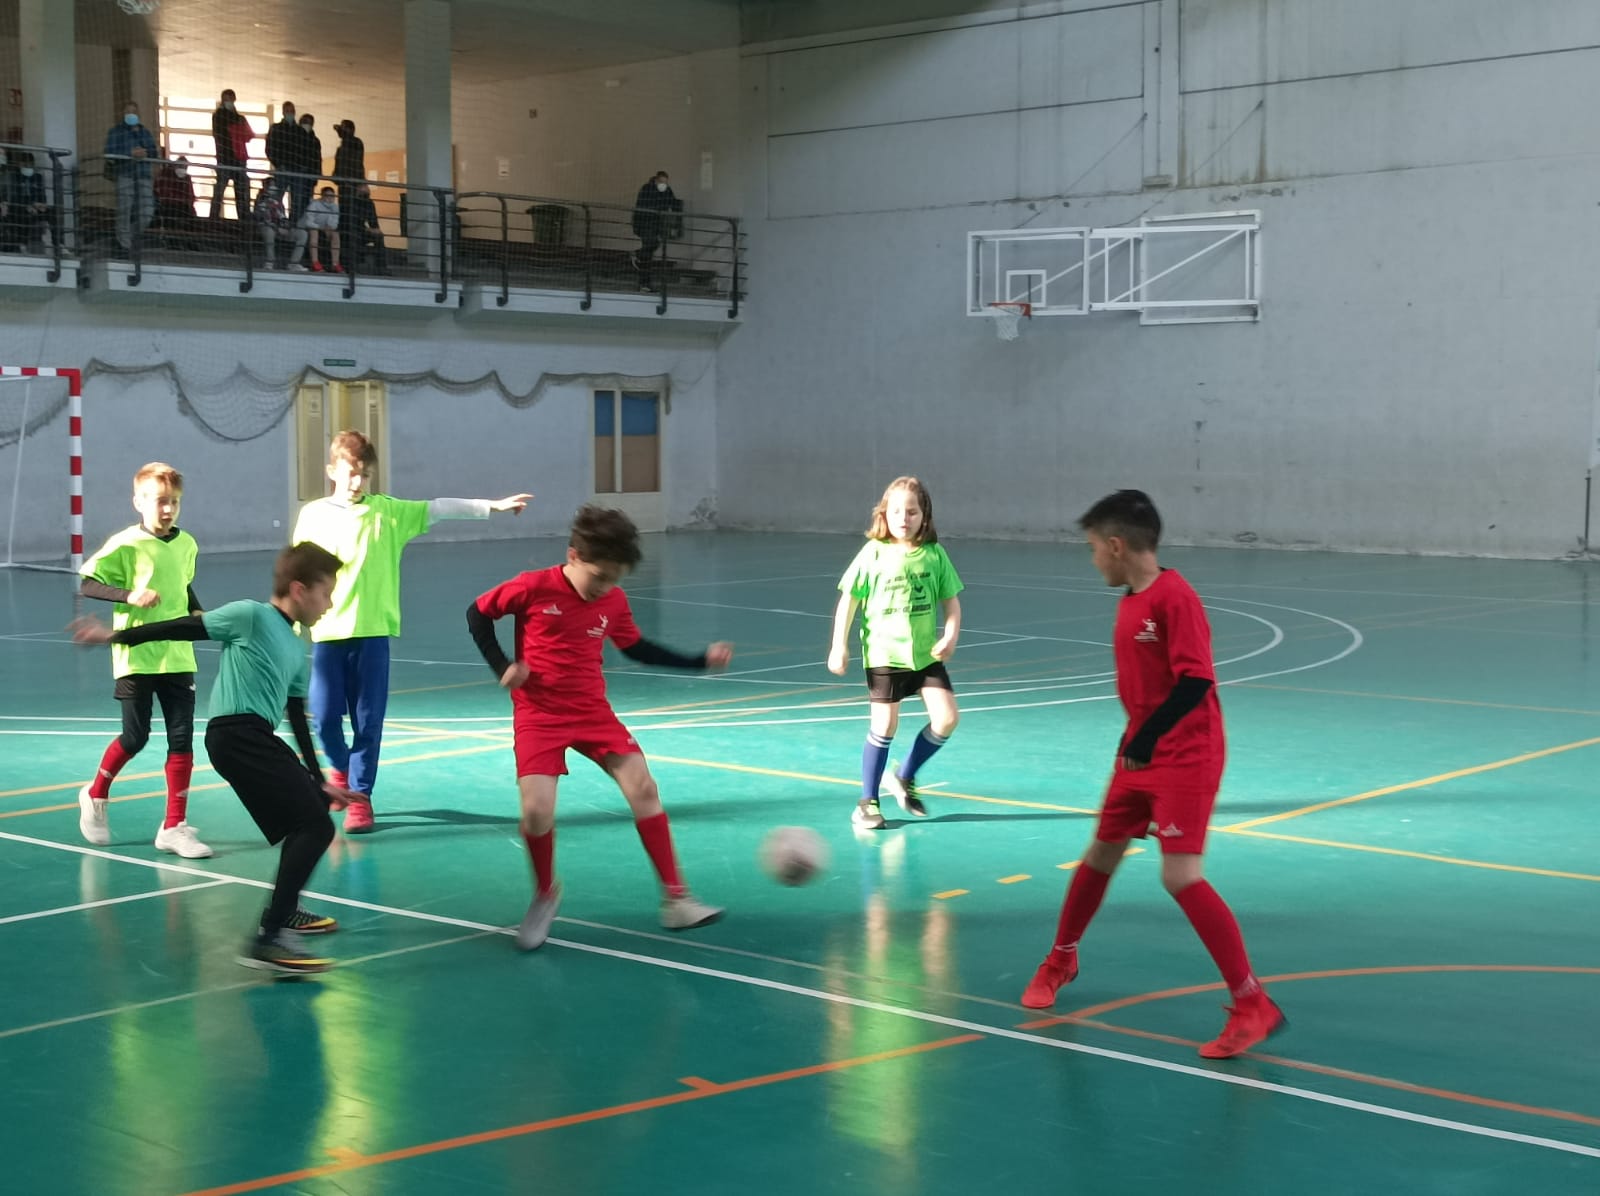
column 1423, row 378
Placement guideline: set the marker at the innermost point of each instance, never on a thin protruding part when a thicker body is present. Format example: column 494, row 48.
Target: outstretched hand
column 514, row 503
column 86, row 629
column 144, row 599
column 718, row 655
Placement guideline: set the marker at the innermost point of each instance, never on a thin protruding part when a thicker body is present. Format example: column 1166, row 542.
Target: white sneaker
column 535, row 926
column 92, row 824
column 295, row 268
column 685, row 913
column 182, row 840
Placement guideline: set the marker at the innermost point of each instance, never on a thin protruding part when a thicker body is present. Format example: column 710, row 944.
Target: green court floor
column 1407, row 831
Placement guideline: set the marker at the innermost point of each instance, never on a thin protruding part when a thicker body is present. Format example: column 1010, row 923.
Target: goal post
column 21, row 433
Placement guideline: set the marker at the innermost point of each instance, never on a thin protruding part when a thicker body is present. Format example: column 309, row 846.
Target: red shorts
column 542, row 739
column 1175, row 804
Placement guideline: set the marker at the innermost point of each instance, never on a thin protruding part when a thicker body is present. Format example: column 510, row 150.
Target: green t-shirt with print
column 368, row 538
column 136, row 559
column 900, row 590
column 264, row 663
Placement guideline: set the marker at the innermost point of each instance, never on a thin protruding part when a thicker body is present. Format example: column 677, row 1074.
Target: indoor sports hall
column 1320, row 281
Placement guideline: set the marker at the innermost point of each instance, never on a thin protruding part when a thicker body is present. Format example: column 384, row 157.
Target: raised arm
column 89, row 630
column 475, row 508
column 643, row 651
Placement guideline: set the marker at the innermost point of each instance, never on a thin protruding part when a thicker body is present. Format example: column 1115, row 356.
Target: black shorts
column 138, row 691
column 895, row 685
column 272, row 783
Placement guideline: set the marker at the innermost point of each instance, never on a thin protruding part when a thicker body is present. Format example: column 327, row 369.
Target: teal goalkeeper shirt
column 264, row 663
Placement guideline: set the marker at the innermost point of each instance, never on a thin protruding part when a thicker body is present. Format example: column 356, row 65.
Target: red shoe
column 316, row 266
column 1059, row 969
column 338, row 778
column 358, row 817
column 1251, row 1022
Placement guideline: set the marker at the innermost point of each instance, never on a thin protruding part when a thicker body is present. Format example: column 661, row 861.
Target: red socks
column 110, row 765
column 542, row 853
column 1084, row 894
column 656, row 836
column 1214, row 922
column 180, row 767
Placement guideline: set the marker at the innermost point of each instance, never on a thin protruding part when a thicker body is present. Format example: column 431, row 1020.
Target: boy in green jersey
column 261, row 676
column 148, row 571
column 350, row 653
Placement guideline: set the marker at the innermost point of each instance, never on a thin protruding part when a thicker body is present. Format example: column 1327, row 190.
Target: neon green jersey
column 900, row 590
column 368, row 538
column 135, row 559
column 264, row 663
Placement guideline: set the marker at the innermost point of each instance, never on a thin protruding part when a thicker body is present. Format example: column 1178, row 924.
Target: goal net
column 41, row 467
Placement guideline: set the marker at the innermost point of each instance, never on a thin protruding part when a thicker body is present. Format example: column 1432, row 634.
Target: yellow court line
column 1011, row 880
column 1356, row 693
column 855, row 782
column 1416, row 855
column 752, row 697
column 948, row 893
column 126, row 776
column 428, row 689
column 1425, row 781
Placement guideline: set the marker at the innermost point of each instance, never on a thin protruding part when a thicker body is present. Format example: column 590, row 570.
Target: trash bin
column 549, row 224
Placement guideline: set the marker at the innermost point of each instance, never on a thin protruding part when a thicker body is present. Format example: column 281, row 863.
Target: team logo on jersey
column 1170, row 831
column 1150, row 634
column 552, row 609
column 599, row 632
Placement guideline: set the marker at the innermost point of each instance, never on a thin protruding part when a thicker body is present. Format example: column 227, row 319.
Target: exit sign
column 346, row 362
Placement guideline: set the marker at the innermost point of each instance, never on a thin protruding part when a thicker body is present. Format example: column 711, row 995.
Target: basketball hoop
column 1008, row 318
column 138, row 8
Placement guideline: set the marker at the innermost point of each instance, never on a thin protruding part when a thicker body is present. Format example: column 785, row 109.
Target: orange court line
column 948, row 893
column 1087, row 1017
column 1417, row 855
column 1401, row 788
column 1011, row 880
column 699, row 1091
column 126, row 776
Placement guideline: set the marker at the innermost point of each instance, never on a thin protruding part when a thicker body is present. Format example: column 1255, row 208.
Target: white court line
column 1219, row 1077
column 71, row 909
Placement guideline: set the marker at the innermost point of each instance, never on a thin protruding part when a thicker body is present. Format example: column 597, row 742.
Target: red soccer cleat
column 1251, row 1022
column 1058, row 970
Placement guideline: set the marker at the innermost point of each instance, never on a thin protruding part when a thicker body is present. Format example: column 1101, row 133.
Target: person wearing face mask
column 231, row 134
column 650, row 206
column 278, row 138
column 130, row 150
column 24, row 207
column 175, row 215
column 304, row 165
column 349, row 168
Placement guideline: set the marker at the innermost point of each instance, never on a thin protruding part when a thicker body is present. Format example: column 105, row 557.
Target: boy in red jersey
column 564, row 615
column 1168, row 766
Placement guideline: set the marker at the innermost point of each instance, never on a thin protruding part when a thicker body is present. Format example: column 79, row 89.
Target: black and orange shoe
column 283, row 953
column 1250, row 1023
column 303, row 921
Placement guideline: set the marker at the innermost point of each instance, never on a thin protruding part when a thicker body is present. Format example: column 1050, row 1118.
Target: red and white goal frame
column 74, row 380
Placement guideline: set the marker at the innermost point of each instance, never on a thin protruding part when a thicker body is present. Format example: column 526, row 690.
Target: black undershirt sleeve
column 482, row 628
column 189, row 627
column 93, row 588
column 1188, row 693
column 296, row 710
column 648, row 652
column 194, row 603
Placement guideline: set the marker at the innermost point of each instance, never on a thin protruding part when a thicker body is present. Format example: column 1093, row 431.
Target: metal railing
column 36, row 214
column 562, row 244
column 144, row 211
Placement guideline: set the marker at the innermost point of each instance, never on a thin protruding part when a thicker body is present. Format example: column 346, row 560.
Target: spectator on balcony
column 367, row 238
column 349, row 169
column 305, row 165
column 175, row 215
column 231, row 133
column 278, row 138
column 273, row 221
column 319, row 221
column 25, row 208
column 650, row 208
column 130, row 150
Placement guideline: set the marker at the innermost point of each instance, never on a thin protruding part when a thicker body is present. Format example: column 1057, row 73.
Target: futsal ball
column 792, row 855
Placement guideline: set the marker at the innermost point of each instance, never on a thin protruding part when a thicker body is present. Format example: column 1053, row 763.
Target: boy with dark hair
column 564, row 615
column 262, row 674
column 350, row 652
column 148, row 571
column 1168, row 767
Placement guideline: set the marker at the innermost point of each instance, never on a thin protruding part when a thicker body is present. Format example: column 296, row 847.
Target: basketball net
column 1008, row 318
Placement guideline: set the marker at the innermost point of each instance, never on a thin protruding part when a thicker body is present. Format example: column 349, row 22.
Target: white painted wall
column 472, row 445
column 1424, row 374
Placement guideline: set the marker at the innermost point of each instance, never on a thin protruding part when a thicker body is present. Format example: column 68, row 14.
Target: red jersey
column 1161, row 635
column 559, row 637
